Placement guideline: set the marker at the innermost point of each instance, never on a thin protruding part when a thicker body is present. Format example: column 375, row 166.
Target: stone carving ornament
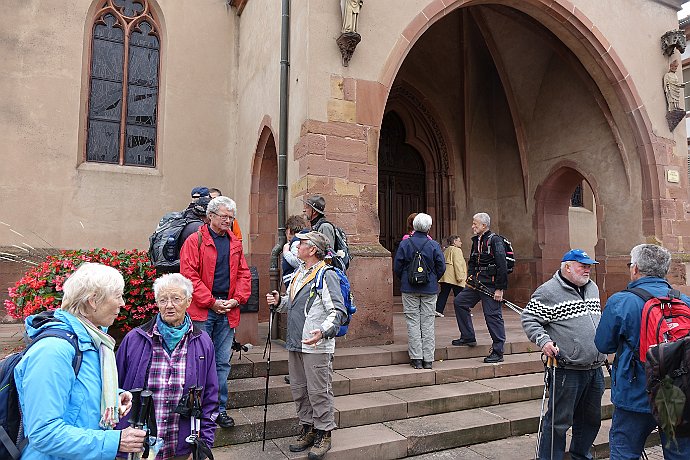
column 349, row 37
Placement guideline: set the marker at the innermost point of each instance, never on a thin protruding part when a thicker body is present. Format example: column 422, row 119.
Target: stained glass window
column 123, row 91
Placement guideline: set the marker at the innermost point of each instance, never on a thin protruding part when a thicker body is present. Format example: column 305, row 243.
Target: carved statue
column 672, row 87
column 350, row 12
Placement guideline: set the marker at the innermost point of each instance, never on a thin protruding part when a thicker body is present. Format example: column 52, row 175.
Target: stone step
column 422, row 435
column 250, row 391
column 253, row 363
column 384, row 406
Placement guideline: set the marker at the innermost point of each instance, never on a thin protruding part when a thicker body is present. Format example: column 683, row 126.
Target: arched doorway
column 264, row 215
column 402, row 184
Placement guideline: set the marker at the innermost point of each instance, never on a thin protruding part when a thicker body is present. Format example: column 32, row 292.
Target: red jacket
column 199, row 265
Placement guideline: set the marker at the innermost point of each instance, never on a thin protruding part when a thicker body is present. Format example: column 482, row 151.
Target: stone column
column 338, row 160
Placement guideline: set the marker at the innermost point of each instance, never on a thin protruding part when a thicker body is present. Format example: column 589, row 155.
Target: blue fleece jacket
column 619, row 332
column 61, row 411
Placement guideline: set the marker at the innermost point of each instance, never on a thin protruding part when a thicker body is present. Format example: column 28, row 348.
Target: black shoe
column 464, row 342
column 494, row 357
column 224, row 420
column 416, row 363
column 287, row 379
column 426, row 364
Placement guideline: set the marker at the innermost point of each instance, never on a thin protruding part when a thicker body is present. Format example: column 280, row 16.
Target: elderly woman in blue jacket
column 69, row 416
column 419, row 300
column 168, row 356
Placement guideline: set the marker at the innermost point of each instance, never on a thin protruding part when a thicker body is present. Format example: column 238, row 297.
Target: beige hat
column 319, row 240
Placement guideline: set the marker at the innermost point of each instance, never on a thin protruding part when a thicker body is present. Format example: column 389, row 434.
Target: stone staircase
column 461, row 409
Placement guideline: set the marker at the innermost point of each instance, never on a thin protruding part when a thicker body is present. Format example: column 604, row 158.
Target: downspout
column 274, row 274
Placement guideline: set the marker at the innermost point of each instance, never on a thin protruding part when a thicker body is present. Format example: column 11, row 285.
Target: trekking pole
column 485, row 290
column 552, row 395
column 268, row 373
column 540, row 428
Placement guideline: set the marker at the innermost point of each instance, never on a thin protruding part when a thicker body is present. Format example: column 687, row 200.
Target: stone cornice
column 671, row 3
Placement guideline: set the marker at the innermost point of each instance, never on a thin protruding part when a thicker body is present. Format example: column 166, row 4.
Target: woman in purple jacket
column 168, row 356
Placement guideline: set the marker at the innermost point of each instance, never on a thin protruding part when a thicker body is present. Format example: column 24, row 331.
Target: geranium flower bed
column 41, row 286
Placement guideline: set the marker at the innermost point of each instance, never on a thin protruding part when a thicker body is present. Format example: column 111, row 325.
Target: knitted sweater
column 557, row 313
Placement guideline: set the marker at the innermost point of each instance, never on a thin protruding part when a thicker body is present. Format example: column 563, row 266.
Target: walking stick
column 268, row 373
column 552, row 396
column 541, row 411
column 485, row 290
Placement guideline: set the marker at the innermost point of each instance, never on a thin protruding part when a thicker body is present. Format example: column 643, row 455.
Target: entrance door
column 402, row 186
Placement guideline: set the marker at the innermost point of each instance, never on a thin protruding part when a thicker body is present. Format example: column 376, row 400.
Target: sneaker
column 322, row 444
column 439, row 314
column 427, row 364
column 305, row 439
column 224, row 420
column 494, row 357
column 464, row 342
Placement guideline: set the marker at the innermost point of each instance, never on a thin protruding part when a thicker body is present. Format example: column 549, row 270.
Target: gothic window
column 123, row 90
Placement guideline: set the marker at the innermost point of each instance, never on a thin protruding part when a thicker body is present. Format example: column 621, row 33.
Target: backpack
column 164, row 247
column 665, row 353
column 417, row 271
column 12, row 440
column 340, row 255
column 348, row 298
column 508, row 248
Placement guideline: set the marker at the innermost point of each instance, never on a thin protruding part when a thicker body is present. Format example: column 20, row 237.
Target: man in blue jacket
column 619, row 332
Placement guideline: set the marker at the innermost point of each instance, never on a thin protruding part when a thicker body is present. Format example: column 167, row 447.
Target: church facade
column 113, row 110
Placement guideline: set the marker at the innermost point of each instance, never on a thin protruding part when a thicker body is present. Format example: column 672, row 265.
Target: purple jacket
column 133, row 357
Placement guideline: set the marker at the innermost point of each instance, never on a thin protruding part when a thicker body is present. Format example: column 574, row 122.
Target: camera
column 236, row 346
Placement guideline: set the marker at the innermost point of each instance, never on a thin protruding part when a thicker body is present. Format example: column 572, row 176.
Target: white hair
column 173, row 280
column 215, row 204
column 90, row 281
column 483, row 218
column 422, row 222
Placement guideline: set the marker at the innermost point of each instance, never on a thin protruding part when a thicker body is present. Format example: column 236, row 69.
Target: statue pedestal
column 674, row 117
column 347, row 42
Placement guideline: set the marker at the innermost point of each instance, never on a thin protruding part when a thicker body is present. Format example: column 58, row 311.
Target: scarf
column 109, row 388
column 172, row 335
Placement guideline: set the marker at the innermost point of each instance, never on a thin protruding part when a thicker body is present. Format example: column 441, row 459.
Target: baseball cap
column 199, row 191
column 578, row 255
column 317, row 203
column 319, row 240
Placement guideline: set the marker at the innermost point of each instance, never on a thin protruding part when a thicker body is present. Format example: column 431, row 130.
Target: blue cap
column 578, row 255
column 199, row 191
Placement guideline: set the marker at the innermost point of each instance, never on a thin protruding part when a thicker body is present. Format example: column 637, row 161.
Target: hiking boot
column 416, row 363
column 322, row 444
column 494, row 357
column 224, row 420
column 426, row 364
column 305, row 439
column 464, row 342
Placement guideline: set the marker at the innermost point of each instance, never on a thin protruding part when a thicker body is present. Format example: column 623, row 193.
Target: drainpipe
column 283, row 143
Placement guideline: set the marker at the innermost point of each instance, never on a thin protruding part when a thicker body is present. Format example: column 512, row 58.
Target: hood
column 58, row 319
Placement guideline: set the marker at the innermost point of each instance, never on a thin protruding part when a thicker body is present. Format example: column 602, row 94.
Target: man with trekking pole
column 566, row 310
column 619, row 332
column 314, row 317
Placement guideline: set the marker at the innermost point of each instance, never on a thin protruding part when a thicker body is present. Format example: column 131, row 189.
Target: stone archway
column 263, row 212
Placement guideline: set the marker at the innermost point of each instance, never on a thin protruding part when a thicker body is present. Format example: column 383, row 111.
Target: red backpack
column 664, row 319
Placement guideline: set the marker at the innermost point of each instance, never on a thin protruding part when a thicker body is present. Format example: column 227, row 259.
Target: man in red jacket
column 213, row 260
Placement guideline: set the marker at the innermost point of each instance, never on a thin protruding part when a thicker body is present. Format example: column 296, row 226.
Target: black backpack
column 417, row 271
column 12, row 440
column 164, row 244
column 508, row 247
column 340, row 255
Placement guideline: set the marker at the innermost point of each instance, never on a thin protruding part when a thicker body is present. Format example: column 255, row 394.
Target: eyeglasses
column 630, row 264
column 176, row 301
column 221, row 217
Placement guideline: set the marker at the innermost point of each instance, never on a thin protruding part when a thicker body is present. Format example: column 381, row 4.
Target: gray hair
column 483, row 217
column 173, row 280
column 215, row 204
column 90, row 281
column 651, row 260
column 422, row 222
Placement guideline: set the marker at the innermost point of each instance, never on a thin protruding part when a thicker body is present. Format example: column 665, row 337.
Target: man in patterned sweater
column 566, row 311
